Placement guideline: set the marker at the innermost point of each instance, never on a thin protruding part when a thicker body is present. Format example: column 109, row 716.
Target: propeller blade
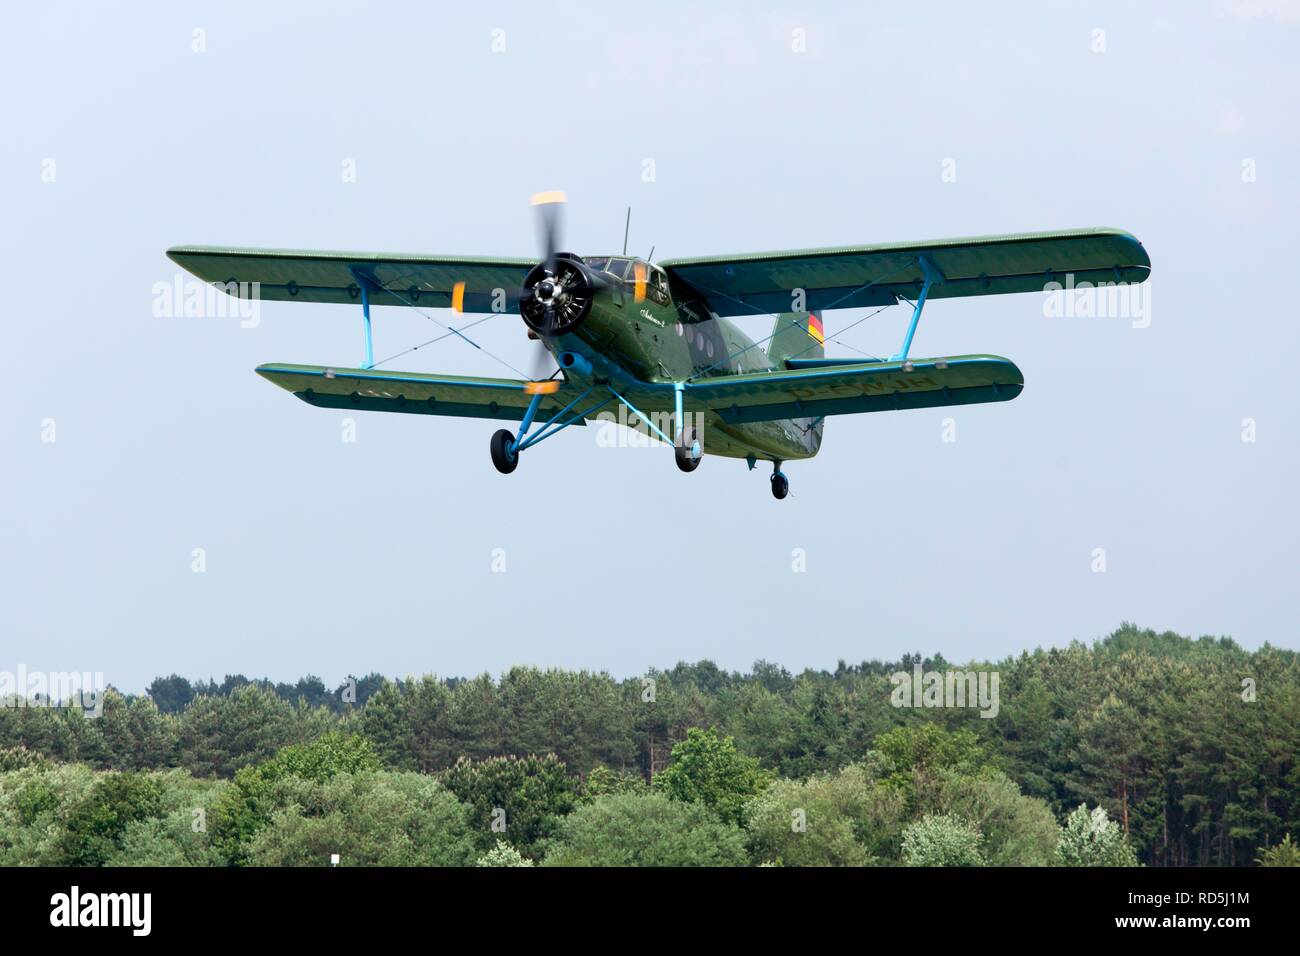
column 548, row 207
column 543, row 365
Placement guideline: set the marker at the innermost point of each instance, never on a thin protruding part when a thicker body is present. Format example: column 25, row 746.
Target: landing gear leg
column 688, row 450
column 505, row 446
column 780, row 484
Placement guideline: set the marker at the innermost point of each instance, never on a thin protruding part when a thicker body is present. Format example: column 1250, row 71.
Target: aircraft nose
column 554, row 303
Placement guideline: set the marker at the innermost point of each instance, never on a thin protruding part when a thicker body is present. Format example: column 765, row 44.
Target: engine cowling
column 568, row 291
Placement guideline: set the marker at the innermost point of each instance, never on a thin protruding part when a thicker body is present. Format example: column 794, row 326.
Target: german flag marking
column 815, row 329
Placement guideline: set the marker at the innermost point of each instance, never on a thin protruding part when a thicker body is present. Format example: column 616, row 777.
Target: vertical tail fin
column 796, row 335
column 799, row 335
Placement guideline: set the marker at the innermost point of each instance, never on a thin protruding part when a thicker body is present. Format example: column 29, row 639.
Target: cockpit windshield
column 624, row 267
column 618, row 266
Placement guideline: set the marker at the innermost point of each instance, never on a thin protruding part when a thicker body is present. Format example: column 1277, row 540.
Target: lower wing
column 459, row 396
column 840, row 389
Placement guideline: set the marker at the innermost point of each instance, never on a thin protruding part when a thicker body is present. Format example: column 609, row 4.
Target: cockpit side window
column 657, row 285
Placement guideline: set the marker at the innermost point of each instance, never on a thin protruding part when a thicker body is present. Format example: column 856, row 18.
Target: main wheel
column 690, row 452
column 780, row 486
column 503, row 455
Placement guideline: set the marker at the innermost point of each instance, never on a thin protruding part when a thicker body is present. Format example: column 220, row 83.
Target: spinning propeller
column 557, row 293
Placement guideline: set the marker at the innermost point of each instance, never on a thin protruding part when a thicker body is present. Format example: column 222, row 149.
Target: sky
column 164, row 509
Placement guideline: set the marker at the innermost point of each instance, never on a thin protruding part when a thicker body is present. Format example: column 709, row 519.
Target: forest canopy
column 1142, row 748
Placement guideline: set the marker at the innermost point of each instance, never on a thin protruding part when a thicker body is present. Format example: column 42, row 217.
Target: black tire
column 780, row 486
column 685, row 460
column 502, row 457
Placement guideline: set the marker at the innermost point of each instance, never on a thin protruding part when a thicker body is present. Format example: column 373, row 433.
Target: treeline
column 173, row 694
column 923, row 796
column 1189, row 747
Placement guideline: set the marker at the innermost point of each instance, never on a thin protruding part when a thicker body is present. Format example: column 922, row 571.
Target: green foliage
column 602, row 781
column 35, row 803
column 94, row 829
column 1092, row 839
column 409, row 724
column 1156, row 729
column 1017, row 830
column 709, row 770
column 522, row 797
column 842, row 819
column 424, row 724
column 249, row 805
column 503, row 854
column 178, row 835
column 368, row 819
column 171, row 694
column 579, row 716
column 1285, row 853
column 915, row 760
column 929, row 747
column 942, row 840
column 321, row 759
column 17, row 758
column 646, row 829
column 221, row 735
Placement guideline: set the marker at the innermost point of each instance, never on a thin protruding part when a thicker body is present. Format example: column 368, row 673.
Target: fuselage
column 658, row 335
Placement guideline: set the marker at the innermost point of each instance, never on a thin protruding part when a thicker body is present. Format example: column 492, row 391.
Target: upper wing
column 394, row 279
column 847, row 389
column 462, row 396
column 858, row 276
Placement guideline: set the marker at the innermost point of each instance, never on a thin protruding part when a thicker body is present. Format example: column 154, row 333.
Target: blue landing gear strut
column 688, row 450
column 506, row 446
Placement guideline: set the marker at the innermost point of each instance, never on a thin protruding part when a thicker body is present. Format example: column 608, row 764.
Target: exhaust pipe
column 573, row 362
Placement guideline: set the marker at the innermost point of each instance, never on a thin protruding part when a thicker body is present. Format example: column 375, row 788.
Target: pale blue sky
column 330, row 558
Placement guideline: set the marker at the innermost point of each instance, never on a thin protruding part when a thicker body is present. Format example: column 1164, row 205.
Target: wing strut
column 645, row 418
column 364, row 282
column 932, row 277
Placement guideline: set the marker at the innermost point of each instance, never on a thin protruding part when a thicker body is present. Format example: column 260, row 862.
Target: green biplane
column 657, row 338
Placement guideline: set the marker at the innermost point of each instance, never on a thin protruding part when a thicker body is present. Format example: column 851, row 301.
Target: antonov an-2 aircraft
column 657, row 337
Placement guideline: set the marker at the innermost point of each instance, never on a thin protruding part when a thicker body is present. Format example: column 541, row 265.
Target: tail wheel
column 780, row 486
column 503, row 454
column 690, row 452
